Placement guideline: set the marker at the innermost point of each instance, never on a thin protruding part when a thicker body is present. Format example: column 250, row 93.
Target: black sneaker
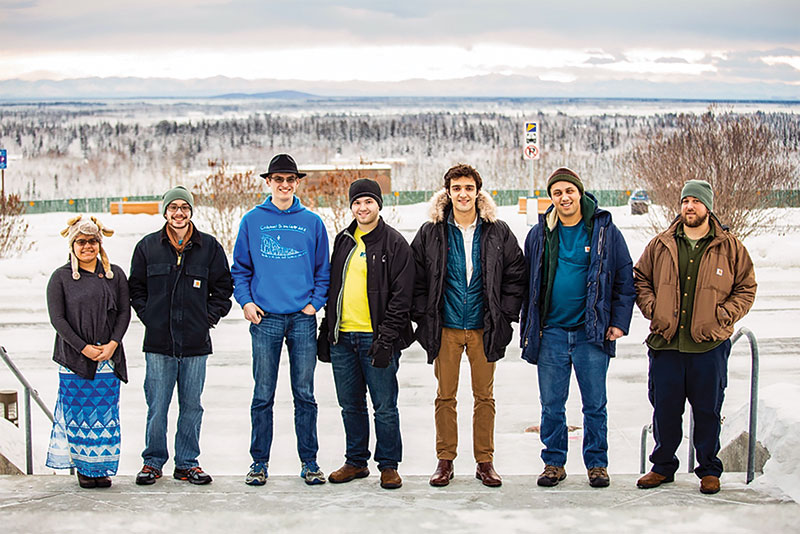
column 148, row 475
column 195, row 475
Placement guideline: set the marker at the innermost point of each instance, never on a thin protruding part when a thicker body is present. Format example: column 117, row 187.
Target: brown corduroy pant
column 446, row 369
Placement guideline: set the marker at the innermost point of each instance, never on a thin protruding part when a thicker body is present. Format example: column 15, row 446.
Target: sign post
column 3, row 164
column 531, row 149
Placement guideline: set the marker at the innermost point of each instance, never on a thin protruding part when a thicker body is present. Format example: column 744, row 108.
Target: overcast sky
column 754, row 43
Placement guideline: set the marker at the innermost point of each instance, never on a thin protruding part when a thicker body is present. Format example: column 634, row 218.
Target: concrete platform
column 50, row 503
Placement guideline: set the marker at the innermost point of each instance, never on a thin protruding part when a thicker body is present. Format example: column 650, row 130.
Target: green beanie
column 701, row 190
column 564, row 174
column 176, row 193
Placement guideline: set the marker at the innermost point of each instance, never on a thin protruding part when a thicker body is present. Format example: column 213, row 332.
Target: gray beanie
column 701, row 190
column 176, row 193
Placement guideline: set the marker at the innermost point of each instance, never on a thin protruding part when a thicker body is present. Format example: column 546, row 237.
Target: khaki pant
column 446, row 369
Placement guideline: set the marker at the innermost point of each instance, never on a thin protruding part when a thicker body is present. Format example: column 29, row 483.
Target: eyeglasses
column 186, row 208
column 280, row 179
column 83, row 242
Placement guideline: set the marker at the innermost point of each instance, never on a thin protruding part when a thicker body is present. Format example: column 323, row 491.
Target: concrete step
column 50, row 503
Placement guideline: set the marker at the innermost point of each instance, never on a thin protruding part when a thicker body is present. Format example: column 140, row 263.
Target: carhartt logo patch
column 586, row 249
column 719, row 272
column 196, row 284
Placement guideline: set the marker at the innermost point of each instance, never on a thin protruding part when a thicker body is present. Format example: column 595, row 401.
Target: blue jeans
column 299, row 330
column 354, row 374
column 162, row 372
column 560, row 350
column 701, row 378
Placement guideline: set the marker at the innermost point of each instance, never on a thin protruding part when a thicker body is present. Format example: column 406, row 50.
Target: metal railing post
column 29, row 393
column 646, row 429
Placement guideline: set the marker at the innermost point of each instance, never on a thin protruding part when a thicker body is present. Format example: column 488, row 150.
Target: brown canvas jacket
column 726, row 285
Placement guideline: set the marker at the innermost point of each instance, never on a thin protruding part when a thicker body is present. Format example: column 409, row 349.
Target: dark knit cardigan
column 89, row 311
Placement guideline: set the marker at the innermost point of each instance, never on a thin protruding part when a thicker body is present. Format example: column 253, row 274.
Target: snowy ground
column 27, row 335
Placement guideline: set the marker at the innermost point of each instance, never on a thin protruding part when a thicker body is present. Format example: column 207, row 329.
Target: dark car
column 639, row 202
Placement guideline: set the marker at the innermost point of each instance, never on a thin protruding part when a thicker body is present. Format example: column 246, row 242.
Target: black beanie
column 364, row 187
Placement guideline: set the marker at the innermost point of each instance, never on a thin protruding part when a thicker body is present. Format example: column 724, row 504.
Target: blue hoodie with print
column 280, row 259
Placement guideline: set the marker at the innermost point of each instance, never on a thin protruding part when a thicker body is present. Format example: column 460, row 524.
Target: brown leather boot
column 443, row 474
column 653, row 480
column 390, row 479
column 709, row 485
column 348, row 472
column 485, row 473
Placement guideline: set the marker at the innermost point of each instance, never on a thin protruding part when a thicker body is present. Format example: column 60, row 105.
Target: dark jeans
column 299, row 330
column 354, row 374
column 701, row 378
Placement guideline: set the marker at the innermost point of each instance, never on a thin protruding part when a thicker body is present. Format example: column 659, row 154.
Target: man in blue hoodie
column 580, row 301
column 281, row 275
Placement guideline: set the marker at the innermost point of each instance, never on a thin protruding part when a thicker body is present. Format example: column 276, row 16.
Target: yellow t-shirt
column 355, row 306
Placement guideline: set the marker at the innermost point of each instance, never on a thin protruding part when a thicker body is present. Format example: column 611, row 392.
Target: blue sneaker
column 257, row 475
column 312, row 474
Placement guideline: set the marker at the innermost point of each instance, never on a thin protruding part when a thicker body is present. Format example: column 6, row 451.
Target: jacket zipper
column 599, row 273
column 340, row 297
column 179, row 265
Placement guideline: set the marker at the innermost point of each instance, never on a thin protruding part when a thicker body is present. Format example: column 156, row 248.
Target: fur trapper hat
column 92, row 227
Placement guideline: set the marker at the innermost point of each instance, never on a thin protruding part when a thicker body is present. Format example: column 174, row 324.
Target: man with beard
column 180, row 287
column 693, row 282
column 367, row 323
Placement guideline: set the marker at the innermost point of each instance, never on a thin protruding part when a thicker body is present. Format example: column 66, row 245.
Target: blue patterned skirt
column 86, row 432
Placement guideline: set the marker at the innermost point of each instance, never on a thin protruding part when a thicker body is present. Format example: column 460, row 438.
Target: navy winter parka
column 610, row 293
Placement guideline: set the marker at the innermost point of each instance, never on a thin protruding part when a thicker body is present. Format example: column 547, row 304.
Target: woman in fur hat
column 89, row 307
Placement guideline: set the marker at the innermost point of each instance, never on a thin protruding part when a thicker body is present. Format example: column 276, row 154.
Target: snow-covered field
column 28, row 337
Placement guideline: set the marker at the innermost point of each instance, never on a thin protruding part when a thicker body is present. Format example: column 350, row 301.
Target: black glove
column 323, row 345
column 381, row 353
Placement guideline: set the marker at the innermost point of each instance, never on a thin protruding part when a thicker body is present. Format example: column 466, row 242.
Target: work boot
column 485, row 473
column 551, row 476
column 709, row 485
column 653, row 480
column 348, row 472
column 390, row 479
column 443, row 474
column 598, row 477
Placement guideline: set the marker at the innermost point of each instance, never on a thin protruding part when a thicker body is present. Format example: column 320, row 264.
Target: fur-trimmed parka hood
column 487, row 209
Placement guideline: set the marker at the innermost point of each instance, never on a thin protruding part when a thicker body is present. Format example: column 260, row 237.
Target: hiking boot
column 148, row 475
column 348, row 472
column 257, row 475
column 312, row 474
column 390, row 479
column 598, row 477
column 551, row 476
column 195, row 475
column 709, row 485
column 487, row 475
column 443, row 474
column 653, row 480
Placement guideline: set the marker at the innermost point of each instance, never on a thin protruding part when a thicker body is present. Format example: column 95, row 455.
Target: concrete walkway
column 49, row 503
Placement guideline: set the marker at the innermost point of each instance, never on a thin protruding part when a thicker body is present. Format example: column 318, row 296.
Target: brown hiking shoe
column 348, row 472
column 653, row 480
column 709, row 485
column 598, row 477
column 390, row 479
column 443, row 474
column 551, row 476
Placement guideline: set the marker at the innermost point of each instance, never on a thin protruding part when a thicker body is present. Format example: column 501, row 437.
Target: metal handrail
column 751, row 444
column 29, row 392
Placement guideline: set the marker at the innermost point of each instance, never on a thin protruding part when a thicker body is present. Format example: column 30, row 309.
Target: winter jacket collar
column 441, row 203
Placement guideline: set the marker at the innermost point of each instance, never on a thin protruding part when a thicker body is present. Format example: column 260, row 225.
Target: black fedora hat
column 282, row 163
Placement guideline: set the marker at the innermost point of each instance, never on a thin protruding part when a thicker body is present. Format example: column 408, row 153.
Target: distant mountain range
column 492, row 85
